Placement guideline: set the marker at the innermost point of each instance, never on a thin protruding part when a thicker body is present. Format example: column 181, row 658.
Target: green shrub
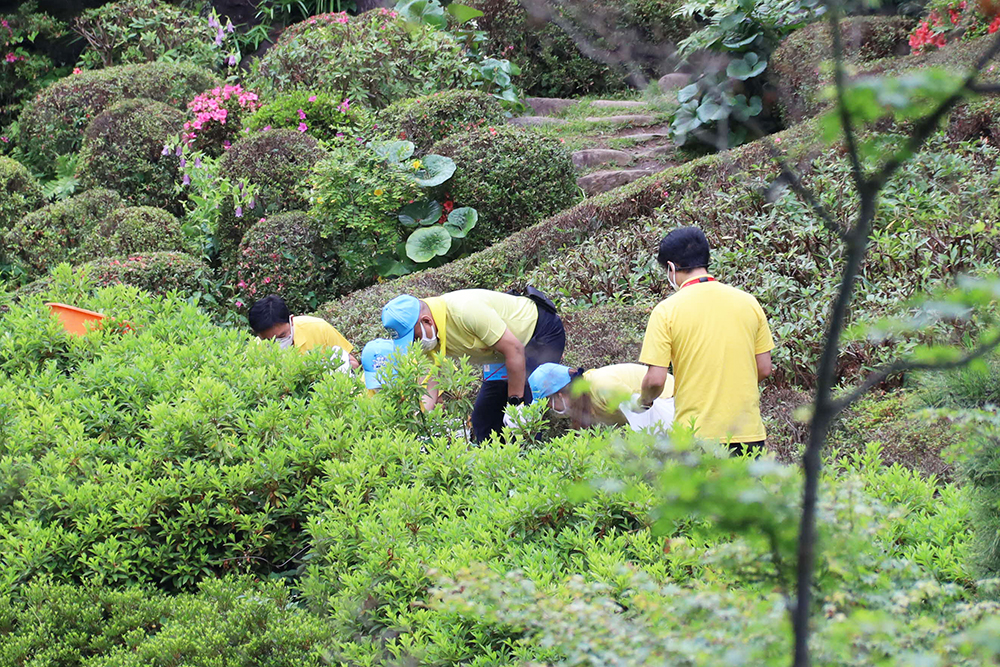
column 140, row 31
column 123, row 149
column 53, row 234
column 323, row 116
column 428, row 119
column 31, row 67
column 283, row 254
column 135, row 230
column 54, row 122
column 373, row 60
column 20, row 193
column 513, row 177
column 277, row 163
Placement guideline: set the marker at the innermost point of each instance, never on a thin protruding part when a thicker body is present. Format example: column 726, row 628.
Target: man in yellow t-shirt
column 717, row 339
column 270, row 320
column 508, row 335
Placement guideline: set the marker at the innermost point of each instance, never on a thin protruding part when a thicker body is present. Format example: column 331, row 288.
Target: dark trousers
column 546, row 345
column 741, row 448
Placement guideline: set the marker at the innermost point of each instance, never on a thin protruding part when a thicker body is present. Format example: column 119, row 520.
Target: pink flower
column 266, row 128
column 312, row 98
column 777, row 140
column 5, row 140
column 303, row 127
column 302, row 114
column 241, row 284
column 267, row 280
column 11, row 58
column 77, row 70
column 239, row 304
column 344, row 106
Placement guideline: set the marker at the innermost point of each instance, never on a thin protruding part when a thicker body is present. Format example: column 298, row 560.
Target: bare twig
column 838, row 78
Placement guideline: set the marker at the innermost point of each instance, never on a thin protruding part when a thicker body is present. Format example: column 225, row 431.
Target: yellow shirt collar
column 439, row 311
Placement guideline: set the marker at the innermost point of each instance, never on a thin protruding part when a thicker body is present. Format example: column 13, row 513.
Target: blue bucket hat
column 548, row 379
column 399, row 316
column 376, row 355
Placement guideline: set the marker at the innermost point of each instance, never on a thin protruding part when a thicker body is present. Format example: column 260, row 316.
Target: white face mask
column 285, row 342
column 560, row 408
column 428, row 343
column 672, row 279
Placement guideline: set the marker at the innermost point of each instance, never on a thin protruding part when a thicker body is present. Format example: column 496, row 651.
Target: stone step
column 591, row 157
column 611, row 104
column 546, row 106
column 643, row 137
column 602, row 181
column 675, row 81
column 635, row 119
column 534, row 121
column 655, row 152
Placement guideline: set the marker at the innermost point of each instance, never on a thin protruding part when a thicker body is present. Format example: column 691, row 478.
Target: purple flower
column 165, row 151
column 186, row 180
column 230, row 27
column 183, row 163
column 218, row 37
column 252, row 204
column 303, row 127
column 213, row 22
column 239, row 211
column 231, row 61
column 180, row 150
column 197, row 163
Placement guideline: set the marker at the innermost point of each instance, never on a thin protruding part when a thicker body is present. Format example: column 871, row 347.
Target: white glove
column 634, row 404
column 659, row 417
column 513, row 416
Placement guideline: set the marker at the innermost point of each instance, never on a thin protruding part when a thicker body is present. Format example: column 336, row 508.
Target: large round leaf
column 427, row 243
column 393, row 151
column 461, row 221
column 420, row 213
column 422, row 11
column 746, row 67
column 434, row 170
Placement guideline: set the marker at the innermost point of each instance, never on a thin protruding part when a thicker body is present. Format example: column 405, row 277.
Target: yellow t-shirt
column 610, row 385
column 711, row 332
column 311, row 332
column 477, row 318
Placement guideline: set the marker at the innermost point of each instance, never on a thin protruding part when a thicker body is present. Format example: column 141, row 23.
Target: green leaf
column 420, row 213
column 463, row 13
column 422, row 11
column 687, row 93
column 461, row 221
column 390, row 267
column 710, row 111
column 739, row 44
column 427, row 243
column 393, row 151
column 731, row 21
column 434, row 170
column 746, row 67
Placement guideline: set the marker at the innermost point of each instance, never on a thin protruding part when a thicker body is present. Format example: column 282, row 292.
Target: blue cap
column 399, row 316
column 548, row 379
column 376, row 355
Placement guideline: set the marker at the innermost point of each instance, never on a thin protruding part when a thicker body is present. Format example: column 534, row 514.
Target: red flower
column 994, row 26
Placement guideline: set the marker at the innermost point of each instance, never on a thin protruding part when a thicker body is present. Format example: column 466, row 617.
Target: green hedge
column 425, row 120
column 135, row 230
column 21, row 193
column 54, row 122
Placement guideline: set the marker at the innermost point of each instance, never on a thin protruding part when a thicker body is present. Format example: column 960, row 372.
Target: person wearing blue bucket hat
column 375, row 356
column 607, row 395
column 509, row 335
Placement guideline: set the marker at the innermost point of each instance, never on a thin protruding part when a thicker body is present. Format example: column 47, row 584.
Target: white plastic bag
column 658, row 418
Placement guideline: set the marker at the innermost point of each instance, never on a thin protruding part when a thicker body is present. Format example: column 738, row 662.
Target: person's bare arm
column 652, row 384
column 513, row 353
column 432, row 397
column 353, row 361
column 763, row 365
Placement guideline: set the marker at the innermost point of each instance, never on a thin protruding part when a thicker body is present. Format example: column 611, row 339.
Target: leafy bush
column 513, row 177
column 20, row 193
column 284, row 254
column 54, row 122
column 277, row 163
column 372, row 59
column 139, row 31
column 123, row 149
column 54, row 234
column 796, row 65
column 947, row 19
column 135, row 230
column 219, row 115
column 317, row 114
column 26, row 67
column 428, row 119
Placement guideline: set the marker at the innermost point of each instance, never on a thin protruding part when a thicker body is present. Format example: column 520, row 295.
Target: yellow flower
column 379, row 192
column 417, row 164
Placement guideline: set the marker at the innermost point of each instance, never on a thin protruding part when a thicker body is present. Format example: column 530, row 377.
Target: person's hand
column 634, row 404
column 513, row 416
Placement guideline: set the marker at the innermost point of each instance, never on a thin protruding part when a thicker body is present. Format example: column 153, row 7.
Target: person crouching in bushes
column 270, row 320
column 375, row 356
column 605, row 395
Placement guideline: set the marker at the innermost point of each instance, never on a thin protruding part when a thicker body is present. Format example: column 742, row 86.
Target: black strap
column 538, row 297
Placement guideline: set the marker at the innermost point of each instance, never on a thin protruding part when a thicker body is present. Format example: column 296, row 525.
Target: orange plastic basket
column 76, row 320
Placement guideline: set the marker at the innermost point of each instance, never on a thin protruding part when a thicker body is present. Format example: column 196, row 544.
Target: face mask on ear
column 428, row 343
column 560, row 408
column 672, row 279
column 285, row 342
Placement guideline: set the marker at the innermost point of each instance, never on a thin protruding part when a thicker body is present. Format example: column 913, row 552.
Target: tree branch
column 878, row 377
column 838, row 77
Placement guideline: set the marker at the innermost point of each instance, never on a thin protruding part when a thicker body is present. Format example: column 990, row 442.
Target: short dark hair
column 267, row 312
column 686, row 247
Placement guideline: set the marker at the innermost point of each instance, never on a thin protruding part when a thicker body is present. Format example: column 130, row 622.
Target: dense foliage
column 53, row 234
column 135, row 230
column 317, row 114
column 20, row 193
column 123, row 150
column 27, row 66
column 54, row 122
column 515, row 178
column 428, row 119
column 372, row 59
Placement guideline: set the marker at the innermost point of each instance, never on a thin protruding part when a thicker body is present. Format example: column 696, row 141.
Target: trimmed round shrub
column 513, row 177
column 110, row 35
column 218, row 118
column 277, row 163
column 373, row 59
column 28, row 37
column 54, row 234
column 124, row 150
column 20, row 192
column 54, row 122
column 424, row 120
column 155, row 272
column 317, row 114
column 135, row 229
column 283, row 254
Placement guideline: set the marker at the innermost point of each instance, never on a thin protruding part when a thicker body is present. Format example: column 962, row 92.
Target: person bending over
column 270, row 320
